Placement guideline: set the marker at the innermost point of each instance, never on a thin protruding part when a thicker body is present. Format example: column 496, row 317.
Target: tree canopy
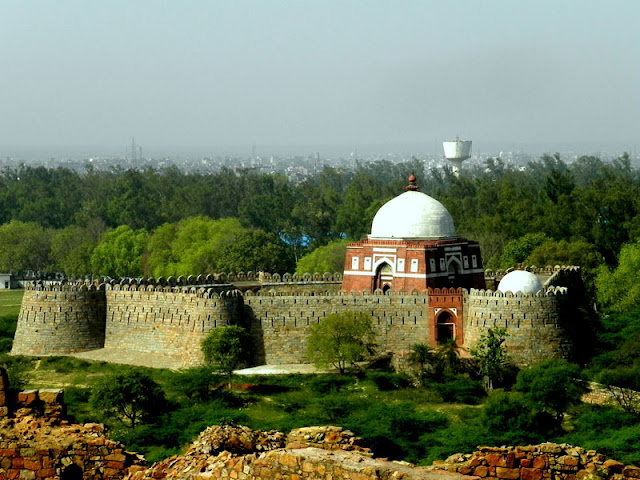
column 226, row 348
column 340, row 340
column 131, row 397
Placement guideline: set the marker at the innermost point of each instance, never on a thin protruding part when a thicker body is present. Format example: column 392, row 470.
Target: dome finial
column 412, row 187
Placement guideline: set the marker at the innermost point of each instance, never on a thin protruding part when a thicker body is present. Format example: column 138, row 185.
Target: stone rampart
column 538, row 462
column 283, row 322
column 38, row 443
column 168, row 320
column 242, row 454
column 60, row 319
column 536, row 324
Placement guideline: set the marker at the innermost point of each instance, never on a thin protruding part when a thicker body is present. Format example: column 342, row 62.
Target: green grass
column 10, row 301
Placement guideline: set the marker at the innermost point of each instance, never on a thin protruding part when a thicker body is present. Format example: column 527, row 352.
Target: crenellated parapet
column 60, row 318
column 536, row 323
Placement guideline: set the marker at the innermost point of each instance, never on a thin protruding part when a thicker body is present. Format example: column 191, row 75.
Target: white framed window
column 355, row 263
column 432, row 264
column 414, row 265
column 465, row 261
column 474, row 261
column 367, row 263
column 443, row 265
column 400, row 266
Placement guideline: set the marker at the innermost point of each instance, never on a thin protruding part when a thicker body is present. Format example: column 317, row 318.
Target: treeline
column 172, row 222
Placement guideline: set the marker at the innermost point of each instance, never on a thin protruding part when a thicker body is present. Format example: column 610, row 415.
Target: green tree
column 329, row 258
column 24, row 247
column 490, row 355
column 255, row 250
column 423, row 359
column 517, row 251
column 552, row 385
column 131, row 397
column 196, row 383
column 119, row 253
column 562, row 252
column 72, row 247
column 192, row 246
column 226, row 348
column 619, row 289
column 341, row 340
column 509, row 418
column 448, row 357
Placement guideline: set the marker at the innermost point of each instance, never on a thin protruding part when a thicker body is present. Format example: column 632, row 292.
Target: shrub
column 552, row 385
column 386, row 381
column 332, row 384
column 459, row 388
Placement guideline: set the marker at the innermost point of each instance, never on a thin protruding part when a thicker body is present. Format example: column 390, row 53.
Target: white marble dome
column 412, row 215
column 520, row 281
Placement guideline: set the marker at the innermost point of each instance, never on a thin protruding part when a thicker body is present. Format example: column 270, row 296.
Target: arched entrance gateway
column 383, row 278
column 445, row 327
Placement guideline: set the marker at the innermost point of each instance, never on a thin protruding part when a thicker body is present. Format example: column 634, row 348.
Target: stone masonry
column 172, row 318
column 538, row 462
column 38, row 443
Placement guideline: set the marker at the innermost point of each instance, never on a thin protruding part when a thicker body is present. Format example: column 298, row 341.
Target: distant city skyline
column 325, row 73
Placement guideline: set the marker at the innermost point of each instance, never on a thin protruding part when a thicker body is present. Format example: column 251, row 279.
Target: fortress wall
column 167, row 320
column 302, row 288
column 60, row 319
column 283, row 323
column 536, row 324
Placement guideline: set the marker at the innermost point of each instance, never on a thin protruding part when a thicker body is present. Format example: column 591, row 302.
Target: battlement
column 171, row 315
column 547, row 292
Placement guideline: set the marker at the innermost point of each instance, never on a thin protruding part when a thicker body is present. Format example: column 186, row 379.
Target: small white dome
column 520, row 281
column 412, row 215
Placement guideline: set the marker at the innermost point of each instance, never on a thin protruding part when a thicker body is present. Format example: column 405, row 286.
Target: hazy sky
column 317, row 72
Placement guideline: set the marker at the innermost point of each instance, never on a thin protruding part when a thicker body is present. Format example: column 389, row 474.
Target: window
column 474, row 261
column 367, row 263
column 414, row 265
column 432, row 264
column 401, row 264
column 465, row 261
column 355, row 263
column 443, row 265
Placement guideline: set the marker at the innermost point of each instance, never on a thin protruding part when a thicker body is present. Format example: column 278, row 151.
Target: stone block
column 4, row 379
column 631, row 471
column 540, row 462
column 27, row 398
column 530, row 474
column 481, row 471
column 51, row 396
column 46, row 473
column 496, row 460
column 508, row 473
column 613, row 466
column 32, row 464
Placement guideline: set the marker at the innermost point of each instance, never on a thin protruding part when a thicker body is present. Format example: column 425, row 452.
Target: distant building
column 7, row 281
column 413, row 245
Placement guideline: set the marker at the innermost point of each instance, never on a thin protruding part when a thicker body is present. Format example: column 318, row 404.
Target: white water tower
column 457, row 151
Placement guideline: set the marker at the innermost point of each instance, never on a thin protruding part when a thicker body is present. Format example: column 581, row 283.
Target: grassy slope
column 10, row 302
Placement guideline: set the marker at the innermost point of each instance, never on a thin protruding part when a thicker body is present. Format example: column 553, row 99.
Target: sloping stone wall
column 538, row 462
column 168, row 320
column 60, row 319
column 536, row 324
column 280, row 324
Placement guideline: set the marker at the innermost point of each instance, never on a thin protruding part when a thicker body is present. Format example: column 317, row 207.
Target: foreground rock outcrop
column 306, row 453
column 38, row 443
column 537, row 462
